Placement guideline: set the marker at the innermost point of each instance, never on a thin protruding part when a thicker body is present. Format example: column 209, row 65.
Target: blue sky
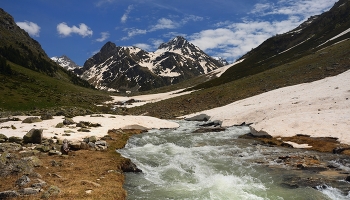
column 221, row 28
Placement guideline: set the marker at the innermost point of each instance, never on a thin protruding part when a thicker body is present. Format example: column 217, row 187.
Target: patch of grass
column 28, row 90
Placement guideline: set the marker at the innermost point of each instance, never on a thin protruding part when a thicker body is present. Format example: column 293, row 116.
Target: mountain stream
column 179, row 164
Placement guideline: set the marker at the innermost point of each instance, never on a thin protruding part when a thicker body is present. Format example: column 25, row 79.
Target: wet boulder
column 129, row 166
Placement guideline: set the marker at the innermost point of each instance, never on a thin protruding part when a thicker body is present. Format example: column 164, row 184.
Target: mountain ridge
column 131, row 68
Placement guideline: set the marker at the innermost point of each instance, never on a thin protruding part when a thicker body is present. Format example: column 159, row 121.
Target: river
column 179, row 164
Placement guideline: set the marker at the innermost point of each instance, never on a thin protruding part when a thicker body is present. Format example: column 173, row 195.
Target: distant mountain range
column 131, row 68
column 66, row 63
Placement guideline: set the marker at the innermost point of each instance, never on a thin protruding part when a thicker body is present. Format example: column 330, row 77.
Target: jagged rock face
column 66, row 63
column 131, row 68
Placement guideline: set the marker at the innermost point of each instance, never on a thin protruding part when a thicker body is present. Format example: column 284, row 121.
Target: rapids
column 179, row 164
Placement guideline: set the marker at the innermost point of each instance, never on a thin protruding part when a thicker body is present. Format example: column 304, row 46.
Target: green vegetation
column 26, row 89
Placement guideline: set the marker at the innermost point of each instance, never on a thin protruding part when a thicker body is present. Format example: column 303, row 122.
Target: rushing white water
column 179, row 164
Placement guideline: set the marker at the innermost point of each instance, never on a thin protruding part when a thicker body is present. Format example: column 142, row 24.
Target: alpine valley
column 122, row 69
column 215, row 130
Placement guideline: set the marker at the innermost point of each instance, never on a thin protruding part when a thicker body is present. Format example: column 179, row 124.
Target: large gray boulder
column 34, row 136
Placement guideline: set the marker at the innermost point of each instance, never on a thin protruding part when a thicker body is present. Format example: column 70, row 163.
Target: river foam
column 179, row 164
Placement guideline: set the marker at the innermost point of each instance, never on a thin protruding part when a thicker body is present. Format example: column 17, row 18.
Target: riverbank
column 81, row 174
column 70, row 158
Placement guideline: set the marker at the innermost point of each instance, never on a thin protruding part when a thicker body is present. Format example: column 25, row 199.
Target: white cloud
column 191, row 18
column 126, row 14
column 236, row 39
column 304, row 8
column 232, row 40
column 104, row 36
column 133, row 31
column 143, row 46
column 30, row 27
column 156, row 43
column 164, row 23
column 64, row 30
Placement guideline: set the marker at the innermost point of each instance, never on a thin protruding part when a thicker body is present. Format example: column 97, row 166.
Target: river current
column 179, row 164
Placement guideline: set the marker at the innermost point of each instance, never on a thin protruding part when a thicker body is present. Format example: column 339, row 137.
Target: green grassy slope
column 323, row 63
column 26, row 89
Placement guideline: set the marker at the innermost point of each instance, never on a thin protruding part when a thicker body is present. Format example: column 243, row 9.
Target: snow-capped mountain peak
column 132, row 68
column 65, row 62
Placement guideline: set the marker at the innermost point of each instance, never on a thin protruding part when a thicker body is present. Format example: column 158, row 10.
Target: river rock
column 9, row 194
column 206, row 130
column 68, row 121
column 29, row 191
column 22, row 181
column 3, row 138
column 347, row 179
column 32, row 120
column 260, row 133
column 92, row 139
column 46, row 116
column 34, row 136
column 51, row 192
column 59, row 125
column 10, row 147
column 43, row 148
column 129, row 166
column 34, row 160
column 200, row 117
column 84, row 145
column 101, row 143
column 55, row 152
column 15, row 139
column 40, row 184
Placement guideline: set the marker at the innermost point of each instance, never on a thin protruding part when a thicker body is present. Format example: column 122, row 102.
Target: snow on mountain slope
column 133, row 69
column 65, row 62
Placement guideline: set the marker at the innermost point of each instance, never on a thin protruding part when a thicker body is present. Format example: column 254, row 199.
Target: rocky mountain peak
column 178, row 42
column 65, row 62
column 109, row 46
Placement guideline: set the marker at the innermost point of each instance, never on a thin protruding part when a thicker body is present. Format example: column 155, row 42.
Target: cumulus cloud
column 64, row 30
column 231, row 40
column 104, row 36
column 126, row 14
column 235, row 39
column 30, row 27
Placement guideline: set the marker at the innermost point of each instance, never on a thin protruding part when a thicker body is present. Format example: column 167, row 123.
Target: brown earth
column 321, row 144
column 84, row 170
